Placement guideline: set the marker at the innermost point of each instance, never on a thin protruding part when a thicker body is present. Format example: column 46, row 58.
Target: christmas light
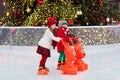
column 108, row 19
column 7, row 13
column 4, row 3
column 28, row 10
column 79, row 12
column 76, row 16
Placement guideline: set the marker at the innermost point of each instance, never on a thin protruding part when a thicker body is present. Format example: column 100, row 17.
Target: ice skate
column 63, row 63
column 59, row 66
column 43, row 71
column 47, row 69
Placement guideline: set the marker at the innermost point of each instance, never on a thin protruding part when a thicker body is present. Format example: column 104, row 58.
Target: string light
column 79, row 12
column 108, row 19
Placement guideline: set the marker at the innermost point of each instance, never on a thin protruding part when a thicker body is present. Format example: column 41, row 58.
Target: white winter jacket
column 46, row 40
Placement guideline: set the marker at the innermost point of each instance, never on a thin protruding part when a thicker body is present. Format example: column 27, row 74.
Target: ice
column 21, row 63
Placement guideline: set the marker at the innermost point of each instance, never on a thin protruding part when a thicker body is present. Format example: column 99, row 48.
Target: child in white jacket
column 45, row 44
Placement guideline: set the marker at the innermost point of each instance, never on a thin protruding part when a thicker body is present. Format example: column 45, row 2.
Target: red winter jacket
column 63, row 33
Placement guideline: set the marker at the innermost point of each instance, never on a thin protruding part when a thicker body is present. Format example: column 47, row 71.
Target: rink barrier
column 29, row 36
column 39, row 27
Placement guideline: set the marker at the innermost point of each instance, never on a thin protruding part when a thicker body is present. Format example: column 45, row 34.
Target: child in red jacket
column 63, row 32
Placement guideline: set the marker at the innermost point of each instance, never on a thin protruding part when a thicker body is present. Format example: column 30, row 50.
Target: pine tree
column 93, row 12
column 16, row 11
column 76, row 12
column 55, row 8
column 13, row 12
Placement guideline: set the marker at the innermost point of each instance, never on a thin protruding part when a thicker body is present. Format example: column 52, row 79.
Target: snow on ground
column 21, row 63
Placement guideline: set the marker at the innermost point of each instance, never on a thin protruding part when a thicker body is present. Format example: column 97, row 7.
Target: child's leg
column 42, row 62
column 64, row 58
column 42, row 70
column 59, row 66
column 60, row 57
column 59, row 61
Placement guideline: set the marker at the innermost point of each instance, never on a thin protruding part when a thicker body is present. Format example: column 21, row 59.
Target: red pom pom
column 40, row 2
column 3, row 22
column 12, row 13
column 19, row 13
column 101, row 18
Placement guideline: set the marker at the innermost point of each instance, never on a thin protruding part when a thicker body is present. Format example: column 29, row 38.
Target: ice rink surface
column 21, row 63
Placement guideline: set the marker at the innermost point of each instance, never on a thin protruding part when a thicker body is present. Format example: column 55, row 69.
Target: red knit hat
column 51, row 21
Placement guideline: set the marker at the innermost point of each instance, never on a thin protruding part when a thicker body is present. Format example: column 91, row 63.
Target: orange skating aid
column 69, row 67
column 80, row 54
column 81, row 65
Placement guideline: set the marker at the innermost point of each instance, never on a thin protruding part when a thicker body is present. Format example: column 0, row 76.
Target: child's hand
column 59, row 38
